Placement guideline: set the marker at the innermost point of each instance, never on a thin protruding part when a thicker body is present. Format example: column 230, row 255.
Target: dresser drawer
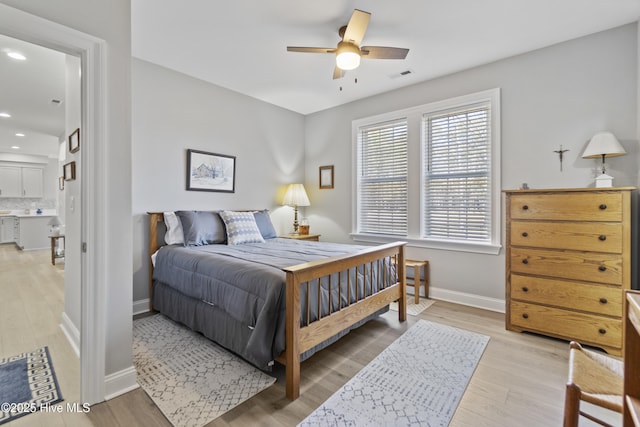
column 593, row 206
column 570, row 325
column 587, row 266
column 600, row 299
column 579, row 236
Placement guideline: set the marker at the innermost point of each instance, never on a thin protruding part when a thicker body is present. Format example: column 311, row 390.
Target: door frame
column 92, row 52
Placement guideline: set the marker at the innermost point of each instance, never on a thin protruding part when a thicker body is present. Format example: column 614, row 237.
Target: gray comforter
column 247, row 282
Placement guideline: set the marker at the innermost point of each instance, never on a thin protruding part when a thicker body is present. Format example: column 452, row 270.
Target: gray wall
column 172, row 113
column 562, row 94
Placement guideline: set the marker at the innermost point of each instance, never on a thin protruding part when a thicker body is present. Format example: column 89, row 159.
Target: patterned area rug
column 27, row 383
column 413, row 308
column 191, row 379
column 418, row 380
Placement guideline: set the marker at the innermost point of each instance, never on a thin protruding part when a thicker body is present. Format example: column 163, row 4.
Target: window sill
column 480, row 248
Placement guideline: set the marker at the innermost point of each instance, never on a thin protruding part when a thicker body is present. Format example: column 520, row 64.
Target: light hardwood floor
column 31, row 306
column 519, row 380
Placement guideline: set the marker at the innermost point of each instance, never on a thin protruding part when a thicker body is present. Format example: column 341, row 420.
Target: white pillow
column 174, row 234
column 241, row 228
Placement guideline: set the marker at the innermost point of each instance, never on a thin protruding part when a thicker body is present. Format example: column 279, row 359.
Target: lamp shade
column 55, row 221
column 603, row 144
column 296, row 196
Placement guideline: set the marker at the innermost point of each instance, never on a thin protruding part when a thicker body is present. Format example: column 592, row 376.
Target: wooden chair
column 418, row 279
column 595, row 378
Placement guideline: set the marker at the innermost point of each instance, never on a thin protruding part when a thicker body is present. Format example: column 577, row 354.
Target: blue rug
column 417, row 381
column 27, row 382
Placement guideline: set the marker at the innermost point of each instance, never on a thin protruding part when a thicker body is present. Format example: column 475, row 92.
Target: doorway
column 91, row 288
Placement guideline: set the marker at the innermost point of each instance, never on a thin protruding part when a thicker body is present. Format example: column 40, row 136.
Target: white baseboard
column 141, row 306
column 491, row 304
column 71, row 332
column 120, row 382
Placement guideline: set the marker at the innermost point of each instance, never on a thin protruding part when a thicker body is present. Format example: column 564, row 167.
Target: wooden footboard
column 300, row 338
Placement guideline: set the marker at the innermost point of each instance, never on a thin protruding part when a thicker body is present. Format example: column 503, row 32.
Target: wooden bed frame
column 302, row 338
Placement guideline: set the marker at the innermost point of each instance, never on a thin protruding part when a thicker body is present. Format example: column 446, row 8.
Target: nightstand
column 311, row 237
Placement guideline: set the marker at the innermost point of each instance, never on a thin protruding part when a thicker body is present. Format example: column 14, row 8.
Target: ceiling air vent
column 402, row 74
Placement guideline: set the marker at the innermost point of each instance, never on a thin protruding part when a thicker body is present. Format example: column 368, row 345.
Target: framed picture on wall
column 69, row 171
column 210, row 172
column 61, row 183
column 326, row 177
column 74, row 141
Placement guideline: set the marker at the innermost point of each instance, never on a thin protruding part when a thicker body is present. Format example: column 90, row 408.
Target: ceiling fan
column 348, row 52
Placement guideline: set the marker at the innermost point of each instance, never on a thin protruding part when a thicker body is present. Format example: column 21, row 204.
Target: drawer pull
column 603, row 300
column 525, row 234
column 526, row 316
column 602, row 268
column 525, row 261
column 525, row 207
column 602, row 331
column 602, row 207
column 525, row 289
column 602, row 237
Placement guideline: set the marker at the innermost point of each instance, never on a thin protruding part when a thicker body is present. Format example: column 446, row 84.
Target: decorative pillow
column 174, row 234
column 263, row 221
column 241, row 228
column 201, row 227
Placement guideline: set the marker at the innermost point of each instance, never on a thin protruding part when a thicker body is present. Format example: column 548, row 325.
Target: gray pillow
column 263, row 220
column 201, row 228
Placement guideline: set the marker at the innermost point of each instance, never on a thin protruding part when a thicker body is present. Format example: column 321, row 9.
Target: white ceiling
column 26, row 91
column 242, row 46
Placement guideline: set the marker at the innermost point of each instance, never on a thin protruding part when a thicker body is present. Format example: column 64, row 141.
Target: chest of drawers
column 568, row 261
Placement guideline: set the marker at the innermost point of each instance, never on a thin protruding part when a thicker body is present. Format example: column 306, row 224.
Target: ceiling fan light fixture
column 347, row 56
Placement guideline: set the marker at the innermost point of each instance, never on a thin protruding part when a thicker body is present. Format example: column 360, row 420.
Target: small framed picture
column 74, row 141
column 69, row 171
column 61, row 183
column 210, row 172
column 326, row 177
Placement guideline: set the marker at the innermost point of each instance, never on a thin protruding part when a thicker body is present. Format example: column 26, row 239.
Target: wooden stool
column 417, row 277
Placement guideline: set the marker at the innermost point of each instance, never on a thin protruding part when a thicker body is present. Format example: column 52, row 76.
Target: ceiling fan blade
column 311, row 49
column 381, row 52
column 338, row 73
column 356, row 27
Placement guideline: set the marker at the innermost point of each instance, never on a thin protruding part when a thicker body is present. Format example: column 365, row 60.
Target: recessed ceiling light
column 7, row 115
column 19, row 134
column 15, row 147
column 16, row 55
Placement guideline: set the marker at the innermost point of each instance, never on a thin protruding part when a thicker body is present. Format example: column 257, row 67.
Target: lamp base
column 604, row 181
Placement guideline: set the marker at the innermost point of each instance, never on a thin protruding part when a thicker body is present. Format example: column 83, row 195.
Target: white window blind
column 457, row 181
column 382, row 178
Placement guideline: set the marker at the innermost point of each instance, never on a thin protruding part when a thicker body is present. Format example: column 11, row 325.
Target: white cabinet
column 10, row 181
column 32, row 182
column 7, row 229
column 34, row 232
column 21, row 181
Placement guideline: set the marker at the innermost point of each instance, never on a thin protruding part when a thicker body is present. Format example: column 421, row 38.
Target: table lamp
column 55, row 224
column 296, row 196
column 601, row 145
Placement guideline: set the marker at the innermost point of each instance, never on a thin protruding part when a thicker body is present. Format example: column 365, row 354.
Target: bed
column 271, row 299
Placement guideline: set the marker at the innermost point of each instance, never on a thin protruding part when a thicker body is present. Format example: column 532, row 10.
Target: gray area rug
column 418, row 380
column 190, row 378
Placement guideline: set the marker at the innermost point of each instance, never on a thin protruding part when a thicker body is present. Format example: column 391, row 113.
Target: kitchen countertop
column 20, row 213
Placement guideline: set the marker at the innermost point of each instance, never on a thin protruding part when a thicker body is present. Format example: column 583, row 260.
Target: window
column 382, row 178
column 432, row 177
column 456, row 181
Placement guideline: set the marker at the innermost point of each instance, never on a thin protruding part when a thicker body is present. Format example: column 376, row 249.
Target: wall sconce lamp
column 601, row 145
column 296, row 196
